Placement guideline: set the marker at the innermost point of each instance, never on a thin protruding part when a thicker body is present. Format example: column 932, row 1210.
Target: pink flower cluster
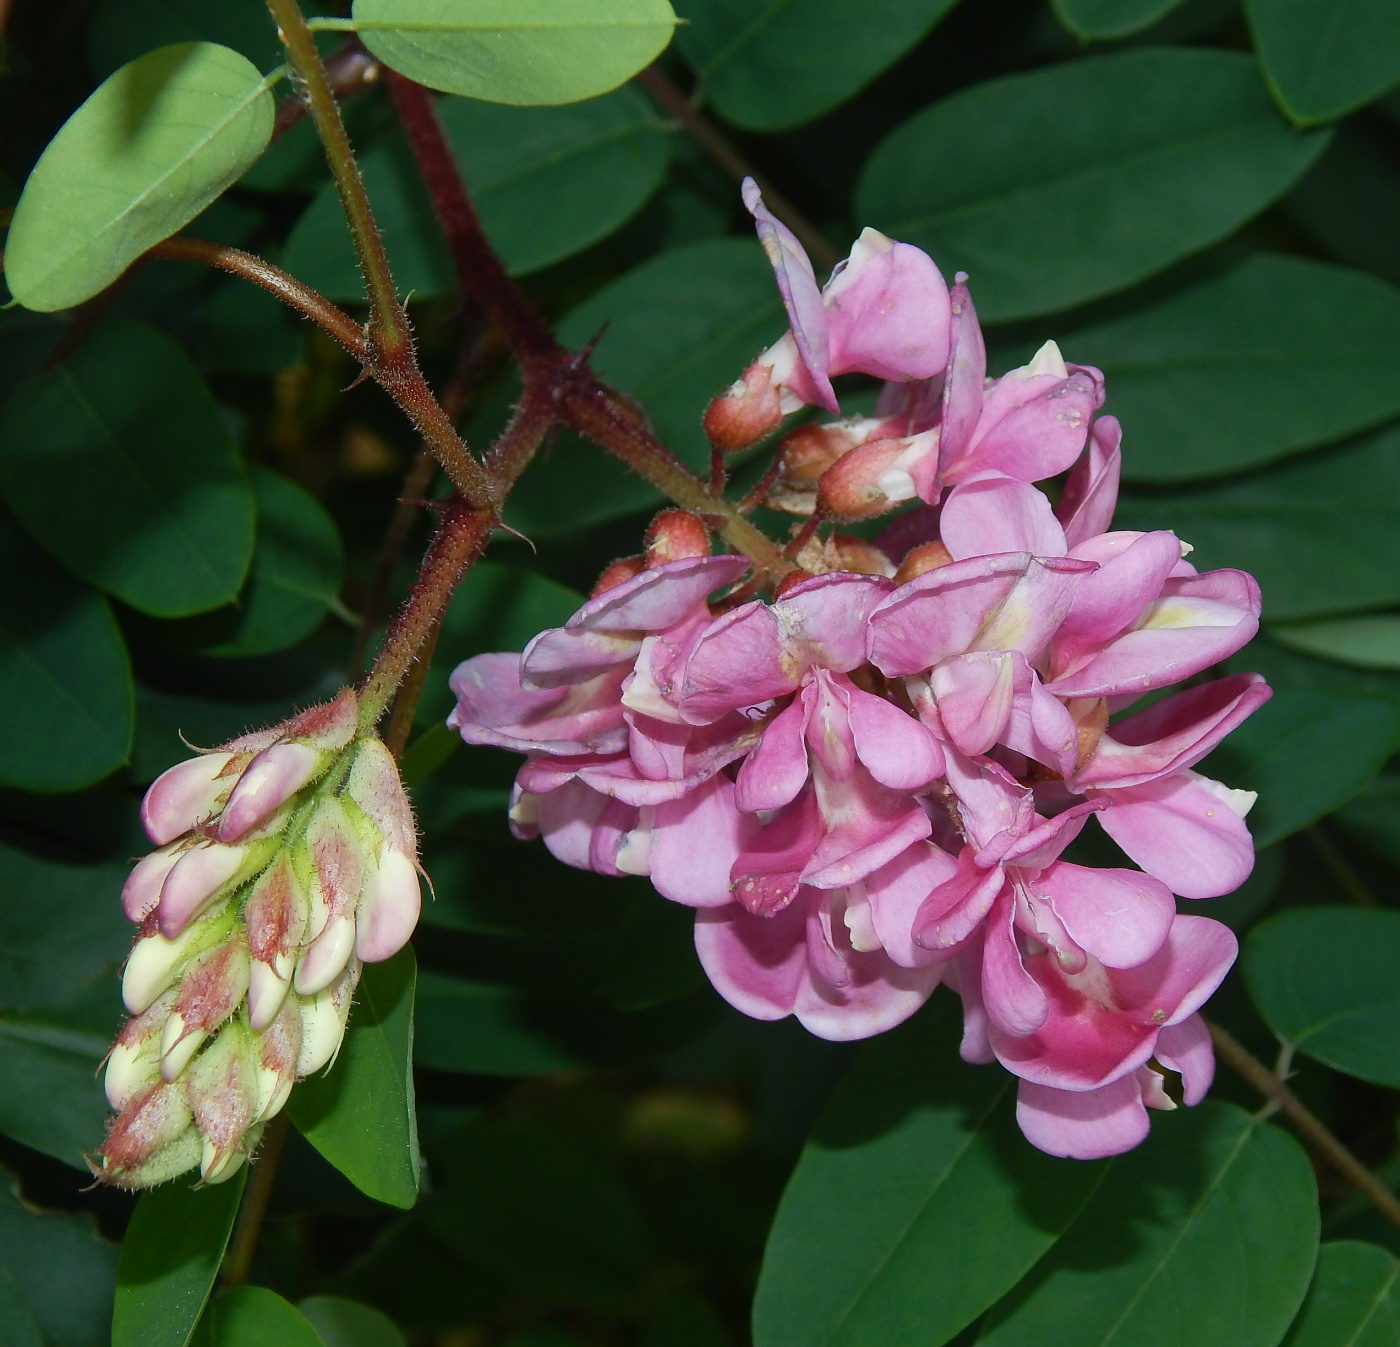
column 866, row 786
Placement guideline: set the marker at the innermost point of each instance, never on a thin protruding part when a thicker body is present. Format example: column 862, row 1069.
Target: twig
column 733, row 163
column 238, row 1261
column 1307, row 1122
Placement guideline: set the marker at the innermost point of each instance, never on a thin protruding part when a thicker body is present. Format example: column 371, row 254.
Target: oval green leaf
column 360, row 1113
column 1276, row 355
column 546, row 183
column 169, row 1259
column 294, row 579
column 916, row 1202
column 1325, row 58
column 66, row 699
column 1371, row 641
column 253, row 1316
column 1205, row 1234
column 1305, row 753
column 674, row 332
column 153, row 145
column 122, row 465
column 1353, row 1300
column 516, row 51
column 1106, row 19
column 347, row 1323
column 778, row 63
column 1068, row 183
column 1319, row 534
column 1323, row 978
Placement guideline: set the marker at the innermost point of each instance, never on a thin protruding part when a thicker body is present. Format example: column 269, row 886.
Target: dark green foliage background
column 1202, row 198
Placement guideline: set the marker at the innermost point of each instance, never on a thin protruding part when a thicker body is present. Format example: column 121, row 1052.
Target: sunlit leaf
column 170, row 1256
column 65, row 680
column 154, row 145
column 253, row 1316
column 1205, row 1234
column 1323, row 58
column 121, row 464
column 516, row 51
column 360, row 1113
column 1323, row 978
column 1371, row 641
column 1110, row 18
column 770, row 64
column 1067, row 183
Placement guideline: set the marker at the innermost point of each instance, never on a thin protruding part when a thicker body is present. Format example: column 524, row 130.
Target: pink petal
column 740, row 660
column 659, row 597
column 1183, row 833
column 940, row 613
column 875, row 1000
column 1015, row 1003
column 897, row 891
column 1090, row 494
column 776, row 769
column 1040, row 727
column 1172, row 734
column 990, row 513
column 566, row 819
column 1033, row 428
column 388, row 908
column 962, row 390
column 767, row 874
column 1179, row 979
column 895, row 748
column 876, row 825
column 973, row 694
column 184, row 795
column 141, row 892
column 956, row 906
column 1121, row 917
column 193, row 881
column 1186, row 1049
column 824, row 620
column 1083, row 1125
column 756, row 963
column 798, row 286
column 493, row 708
column 267, row 783
column 559, row 656
column 696, row 841
column 1034, row 609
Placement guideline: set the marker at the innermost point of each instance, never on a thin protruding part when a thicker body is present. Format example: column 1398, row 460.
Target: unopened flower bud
column 745, row 412
column 133, row 1065
column 278, row 1048
column 323, row 1019
column 268, row 782
column 389, row 907
column 212, row 988
column 846, row 552
column 918, row 560
column 155, row 961
column 618, row 573
column 877, row 476
column 187, row 794
column 329, row 866
column 141, row 892
column 222, row 1089
column 327, row 955
column 204, row 875
column 376, row 790
column 675, row 535
column 275, row 915
column 805, row 453
column 152, row 1140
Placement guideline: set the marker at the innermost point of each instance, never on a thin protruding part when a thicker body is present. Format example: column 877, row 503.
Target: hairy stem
column 735, row 165
column 238, row 1261
column 1306, row 1121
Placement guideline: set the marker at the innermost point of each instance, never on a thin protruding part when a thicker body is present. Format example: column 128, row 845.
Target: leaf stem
column 704, row 134
column 238, row 1261
column 1306, row 1121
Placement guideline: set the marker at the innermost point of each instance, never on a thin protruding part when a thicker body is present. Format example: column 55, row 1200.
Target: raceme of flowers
column 286, row 859
column 865, row 787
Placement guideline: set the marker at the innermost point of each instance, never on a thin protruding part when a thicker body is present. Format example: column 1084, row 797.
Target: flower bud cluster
column 866, row 786
column 285, row 859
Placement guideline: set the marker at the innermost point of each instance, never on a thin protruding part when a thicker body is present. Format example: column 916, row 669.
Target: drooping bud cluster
column 285, row 860
column 867, row 786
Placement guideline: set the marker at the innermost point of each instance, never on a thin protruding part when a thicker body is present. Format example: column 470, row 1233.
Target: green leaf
column 1278, row 354
column 916, row 1202
column 56, row 1277
column 675, row 331
column 294, row 579
column 544, row 1217
column 1353, row 1301
column 170, row 1257
column 151, row 147
column 65, row 681
column 1205, row 1234
column 1305, row 753
column 1371, row 641
column 516, row 51
column 1110, row 18
column 347, row 1323
column 1373, row 817
column 253, row 1316
column 1323, row 978
column 495, row 608
column 546, row 183
column 360, row 1113
column 122, row 465
column 774, row 64
column 1318, row 534
column 1325, row 58
column 120, row 30
column 1068, row 183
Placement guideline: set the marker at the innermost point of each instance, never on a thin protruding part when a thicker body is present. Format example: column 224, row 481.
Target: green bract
column 154, row 144
column 516, row 51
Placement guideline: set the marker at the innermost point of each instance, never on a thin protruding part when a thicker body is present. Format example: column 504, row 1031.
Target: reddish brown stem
column 733, row 163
